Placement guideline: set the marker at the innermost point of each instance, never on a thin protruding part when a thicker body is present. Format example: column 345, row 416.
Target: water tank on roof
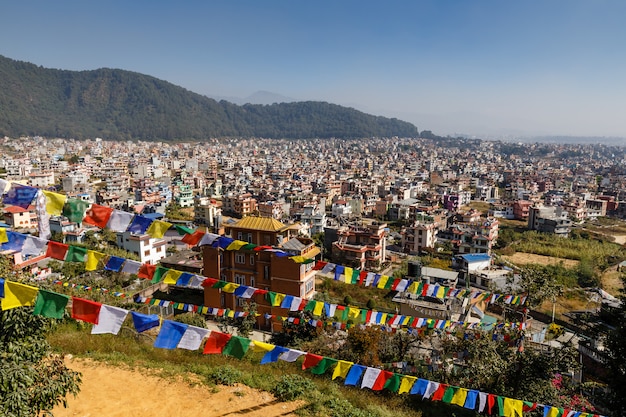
column 414, row 269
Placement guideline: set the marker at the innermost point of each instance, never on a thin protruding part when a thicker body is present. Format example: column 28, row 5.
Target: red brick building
column 262, row 269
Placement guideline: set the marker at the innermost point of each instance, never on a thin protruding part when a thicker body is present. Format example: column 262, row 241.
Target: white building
column 149, row 250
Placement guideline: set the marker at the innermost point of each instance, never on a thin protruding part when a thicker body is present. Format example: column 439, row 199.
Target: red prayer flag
column 425, row 290
column 261, row 248
column 310, row 360
column 319, row 265
column 491, row 401
column 85, row 310
column 146, row 271
column 192, row 239
column 209, row 282
column 98, row 215
column 529, row 407
column 215, row 343
column 362, row 277
column 379, row 384
column 56, row 250
column 395, row 283
column 438, row 395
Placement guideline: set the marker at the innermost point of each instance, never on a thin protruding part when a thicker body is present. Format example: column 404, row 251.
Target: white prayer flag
column 192, row 338
column 110, row 320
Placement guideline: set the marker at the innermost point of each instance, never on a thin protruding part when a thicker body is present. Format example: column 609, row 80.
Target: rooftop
column 267, row 224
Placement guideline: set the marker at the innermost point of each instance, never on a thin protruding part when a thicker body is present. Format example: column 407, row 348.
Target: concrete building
column 553, row 220
column 363, row 247
column 149, row 250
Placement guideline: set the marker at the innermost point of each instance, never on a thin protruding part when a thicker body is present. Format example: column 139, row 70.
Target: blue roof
column 153, row 216
column 476, row 257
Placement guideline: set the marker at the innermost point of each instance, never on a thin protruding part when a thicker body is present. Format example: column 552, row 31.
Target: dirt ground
column 521, row 258
column 117, row 391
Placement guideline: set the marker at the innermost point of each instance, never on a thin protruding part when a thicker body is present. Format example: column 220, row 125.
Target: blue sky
column 473, row 67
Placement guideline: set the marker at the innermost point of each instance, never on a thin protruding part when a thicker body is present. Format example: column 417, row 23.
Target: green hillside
column 118, row 104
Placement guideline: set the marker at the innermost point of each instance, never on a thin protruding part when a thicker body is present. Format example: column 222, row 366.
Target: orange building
column 265, row 270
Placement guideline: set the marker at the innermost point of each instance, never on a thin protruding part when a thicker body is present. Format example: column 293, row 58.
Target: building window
column 223, row 299
column 252, row 281
column 266, row 272
column 147, row 252
column 241, row 302
column 249, row 237
column 239, row 235
column 158, row 249
column 308, row 286
column 240, row 258
column 240, row 279
column 252, row 259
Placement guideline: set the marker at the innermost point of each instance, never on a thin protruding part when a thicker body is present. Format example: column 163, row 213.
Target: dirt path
column 116, row 391
column 522, row 258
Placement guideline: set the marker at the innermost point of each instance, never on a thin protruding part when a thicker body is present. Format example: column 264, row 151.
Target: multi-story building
column 184, row 196
column 315, row 217
column 419, row 236
column 264, row 270
column 20, row 218
column 549, row 220
column 521, row 209
column 149, row 249
column 206, row 212
column 363, row 247
column 240, row 205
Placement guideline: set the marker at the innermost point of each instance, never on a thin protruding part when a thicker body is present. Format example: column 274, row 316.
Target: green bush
column 192, row 319
column 290, row 387
column 224, row 375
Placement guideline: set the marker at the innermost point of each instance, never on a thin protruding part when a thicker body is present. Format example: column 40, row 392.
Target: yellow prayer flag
column 347, row 275
column 54, row 202
column 441, row 292
column 158, row 228
column 354, row 313
column 18, row 295
column 3, row 235
column 459, row 397
column 298, row 259
column 514, row 408
column 319, row 307
column 93, row 257
column 382, row 282
column 230, row 287
column 406, row 384
column 171, row 276
column 406, row 320
column 342, row 368
column 261, row 346
column 278, row 299
column 236, row 245
column 231, row 314
column 413, row 287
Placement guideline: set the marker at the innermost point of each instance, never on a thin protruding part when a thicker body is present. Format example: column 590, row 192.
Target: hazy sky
column 545, row 66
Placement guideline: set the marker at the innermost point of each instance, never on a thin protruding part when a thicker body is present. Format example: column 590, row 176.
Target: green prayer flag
column 355, row 276
column 237, row 346
column 158, row 274
column 323, row 365
column 389, row 283
column 183, row 230
column 270, row 296
column 76, row 254
column 50, row 304
column 220, row 284
column 501, row 405
column 74, row 210
column 310, row 306
column 249, row 246
column 448, row 394
column 393, row 383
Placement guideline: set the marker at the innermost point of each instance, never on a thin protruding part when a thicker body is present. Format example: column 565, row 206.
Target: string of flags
column 173, row 335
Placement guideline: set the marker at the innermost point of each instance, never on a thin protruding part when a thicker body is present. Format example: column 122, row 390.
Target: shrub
column 224, row 375
column 290, row 387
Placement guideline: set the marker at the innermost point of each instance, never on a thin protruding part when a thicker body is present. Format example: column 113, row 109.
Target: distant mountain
column 259, row 97
column 118, row 104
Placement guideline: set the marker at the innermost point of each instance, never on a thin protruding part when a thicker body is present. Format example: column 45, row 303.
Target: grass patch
column 338, row 292
column 321, row 396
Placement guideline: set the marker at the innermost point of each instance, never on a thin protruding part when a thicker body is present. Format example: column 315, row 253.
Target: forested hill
column 118, row 104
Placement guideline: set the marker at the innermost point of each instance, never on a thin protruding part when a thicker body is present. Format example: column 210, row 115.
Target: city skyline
column 477, row 68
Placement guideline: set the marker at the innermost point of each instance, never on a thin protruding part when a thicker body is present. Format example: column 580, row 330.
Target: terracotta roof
column 14, row 209
column 267, row 224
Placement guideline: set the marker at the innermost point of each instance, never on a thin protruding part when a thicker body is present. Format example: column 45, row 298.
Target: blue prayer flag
column 20, row 195
column 114, row 264
column 170, row 334
column 272, row 355
column 139, row 225
column 16, row 241
column 143, row 322
column 354, row 374
column 338, row 271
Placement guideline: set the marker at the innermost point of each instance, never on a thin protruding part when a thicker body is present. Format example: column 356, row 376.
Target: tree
column 616, row 359
column 33, row 379
column 540, row 283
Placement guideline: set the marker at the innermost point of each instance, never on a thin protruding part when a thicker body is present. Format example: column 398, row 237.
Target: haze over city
column 475, row 68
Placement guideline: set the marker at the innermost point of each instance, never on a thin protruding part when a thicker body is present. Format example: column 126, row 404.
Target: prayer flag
column 54, row 202
column 114, row 263
column 208, row 239
column 143, row 322
column 310, row 360
column 323, row 365
column 291, row 355
column 33, row 246
column 98, row 216
column 110, row 320
column 216, row 342
column 391, row 383
column 459, row 397
column 406, row 384
column 74, row 210
column 354, row 375
column 146, row 271
column 158, row 228
column 347, row 274
column 170, row 335
column 18, row 295
column 237, row 346
column 76, row 254
column 171, row 276
column 183, row 230
column 272, row 355
column 85, row 310
column 342, row 369
column 236, row 245
column 15, row 241
column 512, row 408
column 19, row 195
column 139, row 225
column 93, row 258
column 56, row 250
column 3, row 235
column 370, row 376
column 131, row 267
column 192, row 239
column 192, row 338
column 420, row 387
column 119, row 220
column 50, row 304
